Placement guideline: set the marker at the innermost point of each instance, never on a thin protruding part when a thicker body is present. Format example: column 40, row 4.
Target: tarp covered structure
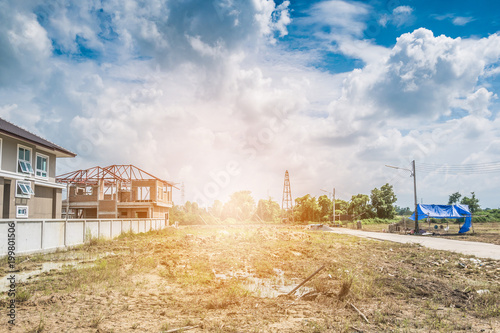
column 445, row 211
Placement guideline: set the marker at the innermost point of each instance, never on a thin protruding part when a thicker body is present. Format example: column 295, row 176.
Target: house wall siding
column 41, row 205
column 47, row 201
column 9, row 156
column 57, row 203
column 9, row 153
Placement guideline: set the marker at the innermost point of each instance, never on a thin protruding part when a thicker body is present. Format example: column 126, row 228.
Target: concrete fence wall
column 45, row 235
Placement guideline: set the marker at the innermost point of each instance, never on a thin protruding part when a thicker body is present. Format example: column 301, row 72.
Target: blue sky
column 226, row 95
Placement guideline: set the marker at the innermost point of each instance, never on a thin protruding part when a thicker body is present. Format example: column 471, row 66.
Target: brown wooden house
column 116, row 191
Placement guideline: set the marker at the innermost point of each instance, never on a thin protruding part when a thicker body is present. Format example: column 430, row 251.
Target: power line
column 400, row 176
column 479, row 168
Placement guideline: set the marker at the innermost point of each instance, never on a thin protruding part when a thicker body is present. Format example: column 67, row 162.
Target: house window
column 42, row 166
column 24, row 160
column 21, row 212
column 23, row 189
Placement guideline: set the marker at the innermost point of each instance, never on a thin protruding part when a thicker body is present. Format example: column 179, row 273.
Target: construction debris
column 308, row 278
column 360, row 313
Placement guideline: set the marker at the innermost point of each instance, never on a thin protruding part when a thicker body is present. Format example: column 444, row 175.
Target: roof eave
column 58, row 152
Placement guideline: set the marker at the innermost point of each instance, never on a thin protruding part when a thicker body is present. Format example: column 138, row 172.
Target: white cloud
column 420, row 85
column 188, row 90
column 24, row 47
column 271, row 17
column 455, row 19
column 477, row 103
column 461, row 20
column 422, row 78
column 342, row 17
column 339, row 27
column 400, row 16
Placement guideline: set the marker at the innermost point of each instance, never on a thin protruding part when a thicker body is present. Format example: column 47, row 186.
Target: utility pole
column 415, row 193
column 333, row 203
column 413, row 174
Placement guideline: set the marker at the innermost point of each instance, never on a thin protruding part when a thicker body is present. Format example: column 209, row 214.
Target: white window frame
column 22, row 212
column 24, row 164
column 36, row 166
column 26, row 189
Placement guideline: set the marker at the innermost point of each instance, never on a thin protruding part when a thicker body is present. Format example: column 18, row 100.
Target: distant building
column 27, row 174
column 116, row 191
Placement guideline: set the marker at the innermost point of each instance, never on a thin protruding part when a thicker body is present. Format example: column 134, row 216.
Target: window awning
column 25, row 188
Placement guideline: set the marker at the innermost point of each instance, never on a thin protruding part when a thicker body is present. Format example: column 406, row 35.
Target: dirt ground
column 235, row 279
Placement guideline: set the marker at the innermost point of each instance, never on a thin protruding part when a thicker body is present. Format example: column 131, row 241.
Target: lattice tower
column 287, row 202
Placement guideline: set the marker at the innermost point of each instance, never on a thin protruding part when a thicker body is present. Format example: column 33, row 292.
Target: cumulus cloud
column 418, row 102
column 24, row 46
column 204, row 92
column 478, row 102
column 423, row 78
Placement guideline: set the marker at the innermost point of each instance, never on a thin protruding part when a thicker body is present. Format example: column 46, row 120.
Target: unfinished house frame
column 116, row 191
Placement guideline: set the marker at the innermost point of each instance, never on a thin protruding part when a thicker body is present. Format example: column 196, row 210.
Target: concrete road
column 480, row 250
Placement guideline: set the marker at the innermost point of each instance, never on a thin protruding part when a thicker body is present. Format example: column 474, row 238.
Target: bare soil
column 199, row 278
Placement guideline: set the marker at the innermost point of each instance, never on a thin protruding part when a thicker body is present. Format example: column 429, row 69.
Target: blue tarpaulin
column 445, row 211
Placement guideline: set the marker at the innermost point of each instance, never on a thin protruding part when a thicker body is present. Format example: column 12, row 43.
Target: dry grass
column 199, row 275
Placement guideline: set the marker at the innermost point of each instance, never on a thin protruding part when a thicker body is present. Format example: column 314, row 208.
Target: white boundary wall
column 45, row 235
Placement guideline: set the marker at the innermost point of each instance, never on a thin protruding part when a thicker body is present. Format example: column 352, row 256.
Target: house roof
column 110, row 175
column 20, row 133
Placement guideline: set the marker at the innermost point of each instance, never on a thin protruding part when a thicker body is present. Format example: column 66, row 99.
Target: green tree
column 240, row 206
column 403, row 211
column 359, row 207
column 177, row 214
column 325, row 206
column 216, row 209
column 454, row 198
column 268, row 210
column 306, row 209
column 188, row 214
column 341, row 206
column 472, row 202
column 382, row 201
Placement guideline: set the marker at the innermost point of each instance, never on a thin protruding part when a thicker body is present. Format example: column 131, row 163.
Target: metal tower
column 287, row 202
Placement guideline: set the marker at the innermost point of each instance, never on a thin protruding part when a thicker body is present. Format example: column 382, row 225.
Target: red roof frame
column 110, row 175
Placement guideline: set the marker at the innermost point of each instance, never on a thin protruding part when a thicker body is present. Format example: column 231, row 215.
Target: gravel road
column 480, row 250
